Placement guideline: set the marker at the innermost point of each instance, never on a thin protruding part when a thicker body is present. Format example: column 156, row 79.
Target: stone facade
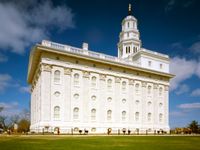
column 76, row 89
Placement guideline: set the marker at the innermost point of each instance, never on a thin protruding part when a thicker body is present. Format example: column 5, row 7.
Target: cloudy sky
column 167, row 26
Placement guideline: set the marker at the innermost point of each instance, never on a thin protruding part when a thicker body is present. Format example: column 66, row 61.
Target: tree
column 194, row 126
column 2, row 119
column 23, row 125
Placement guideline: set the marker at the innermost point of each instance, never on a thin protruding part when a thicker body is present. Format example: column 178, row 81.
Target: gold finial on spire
column 129, row 9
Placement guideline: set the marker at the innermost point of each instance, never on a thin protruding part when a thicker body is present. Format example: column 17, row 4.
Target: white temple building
column 76, row 89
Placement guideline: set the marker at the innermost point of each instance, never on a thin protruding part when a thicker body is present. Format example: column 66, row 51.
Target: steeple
column 129, row 38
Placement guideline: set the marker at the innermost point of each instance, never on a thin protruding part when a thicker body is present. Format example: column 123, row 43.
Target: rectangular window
column 149, row 63
column 161, row 66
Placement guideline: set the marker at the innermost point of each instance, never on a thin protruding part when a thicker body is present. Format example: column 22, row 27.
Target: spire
column 129, row 9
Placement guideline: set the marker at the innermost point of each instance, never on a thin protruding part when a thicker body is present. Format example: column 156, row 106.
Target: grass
column 99, row 142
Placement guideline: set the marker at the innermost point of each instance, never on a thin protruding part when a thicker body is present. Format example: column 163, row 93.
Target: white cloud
column 3, row 58
column 183, row 69
column 182, row 89
column 4, row 81
column 177, row 45
column 198, row 70
column 177, row 113
column 196, row 92
column 189, row 106
column 11, row 105
column 172, row 4
column 27, row 22
column 195, row 47
column 25, row 89
column 10, row 109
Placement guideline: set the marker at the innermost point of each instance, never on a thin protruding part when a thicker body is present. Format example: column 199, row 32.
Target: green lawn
column 100, row 142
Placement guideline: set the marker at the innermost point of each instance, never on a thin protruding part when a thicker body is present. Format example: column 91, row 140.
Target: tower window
column 128, row 24
column 128, row 49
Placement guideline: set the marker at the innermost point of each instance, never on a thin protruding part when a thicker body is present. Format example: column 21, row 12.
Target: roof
column 49, row 46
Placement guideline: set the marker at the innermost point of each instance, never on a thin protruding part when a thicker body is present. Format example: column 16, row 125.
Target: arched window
column 149, row 89
column 93, row 97
column 137, row 116
column 124, row 100
column 109, row 99
column 57, row 93
column 93, row 114
column 160, row 91
column 123, row 85
column 126, row 49
column 123, row 115
column 76, row 96
column 149, row 116
column 149, row 103
column 56, row 112
column 109, row 114
column 57, row 76
column 128, row 24
column 109, row 83
column 137, row 102
column 137, row 86
column 160, row 117
column 160, row 105
column 76, row 113
column 94, row 80
column 76, row 79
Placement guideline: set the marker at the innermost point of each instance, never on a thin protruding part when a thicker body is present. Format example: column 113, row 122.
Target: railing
column 155, row 53
column 86, row 52
column 95, row 54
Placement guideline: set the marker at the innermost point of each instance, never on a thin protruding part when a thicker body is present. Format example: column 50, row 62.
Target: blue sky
column 167, row 26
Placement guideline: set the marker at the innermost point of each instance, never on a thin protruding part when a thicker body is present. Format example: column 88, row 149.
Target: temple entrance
column 57, row 130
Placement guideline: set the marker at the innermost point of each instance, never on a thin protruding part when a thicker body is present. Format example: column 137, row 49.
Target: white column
column 67, row 92
column 131, row 102
column 85, row 108
column 117, row 99
column 155, row 105
column 143, row 98
column 46, row 93
column 102, row 98
column 166, row 107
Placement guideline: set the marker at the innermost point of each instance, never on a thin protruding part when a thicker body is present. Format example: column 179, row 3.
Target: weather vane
column 129, row 9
